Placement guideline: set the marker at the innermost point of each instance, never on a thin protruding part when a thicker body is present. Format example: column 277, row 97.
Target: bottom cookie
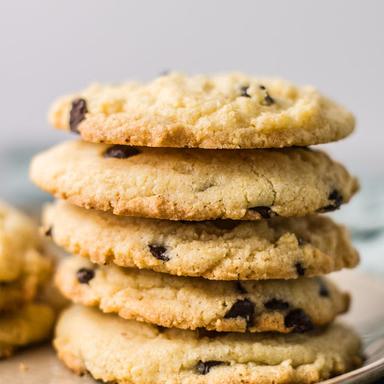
column 30, row 324
column 125, row 351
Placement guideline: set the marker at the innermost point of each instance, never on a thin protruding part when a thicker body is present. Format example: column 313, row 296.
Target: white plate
column 40, row 366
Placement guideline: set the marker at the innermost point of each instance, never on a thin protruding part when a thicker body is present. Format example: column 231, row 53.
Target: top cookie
column 220, row 111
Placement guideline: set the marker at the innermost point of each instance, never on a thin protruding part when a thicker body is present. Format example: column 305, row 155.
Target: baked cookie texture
column 125, row 351
column 18, row 238
column 183, row 184
column 30, row 324
column 220, row 111
column 190, row 303
column 35, row 272
column 278, row 248
column 23, row 265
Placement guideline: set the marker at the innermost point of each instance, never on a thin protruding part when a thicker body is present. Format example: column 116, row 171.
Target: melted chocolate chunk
column 244, row 91
column 265, row 212
column 298, row 320
column 301, row 241
column 203, row 367
column 300, row 269
column 242, row 308
column 159, row 252
column 160, row 328
column 121, row 152
column 225, row 224
column 84, row 275
column 48, row 232
column 77, row 114
column 323, row 289
column 240, row 287
column 336, row 200
column 202, row 332
column 268, row 100
column 276, row 305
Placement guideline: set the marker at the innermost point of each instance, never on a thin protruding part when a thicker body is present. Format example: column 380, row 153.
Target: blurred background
column 49, row 48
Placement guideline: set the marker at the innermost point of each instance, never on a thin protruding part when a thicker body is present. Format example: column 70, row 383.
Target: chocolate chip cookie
column 122, row 351
column 219, row 111
column 278, row 248
column 183, row 184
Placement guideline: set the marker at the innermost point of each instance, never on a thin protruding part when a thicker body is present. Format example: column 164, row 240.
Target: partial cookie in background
column 122, row 351
column 220, row 111
column 35, row 273
column 30, row 324
column 24, row 266
column 183, row 184
column 222, row 250
column 18, row 238
column 190, row 303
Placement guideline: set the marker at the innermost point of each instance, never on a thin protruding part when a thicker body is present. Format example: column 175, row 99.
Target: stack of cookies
column 192, row 210
column 24, row 268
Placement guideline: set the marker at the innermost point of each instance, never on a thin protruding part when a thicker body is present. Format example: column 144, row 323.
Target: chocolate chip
column 300, row 269
column 160, row 328
column 301, row 241
column 84, row 275
column 240, row 288
column 165, row 72
column 202, row 332
column 336, row 200
column 268, row 100
column 121, row 152
column 263, row 211
column 225, row 224
column 242, row 308
column 77, row 114
column 244, row 91
column 298, row 320
column 48, row 232
column 276, row 304
column 159, row 252
column 203, row 367
column 323, row 289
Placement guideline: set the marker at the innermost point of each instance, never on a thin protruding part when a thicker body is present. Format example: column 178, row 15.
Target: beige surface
column 40, row 365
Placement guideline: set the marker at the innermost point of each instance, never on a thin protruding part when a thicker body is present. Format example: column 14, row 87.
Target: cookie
column 125, row 351
column 183, row 184
column 34, row 272
column 28, row 325
column 189, row 303
column 23, row 265
column 279, row 248
column 18, row 237
column 220, row 111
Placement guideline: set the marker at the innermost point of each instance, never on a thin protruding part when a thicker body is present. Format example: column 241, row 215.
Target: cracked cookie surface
column 278, row 248
column 222, row 111
column 122, row 351
column 182, row 184
column 190, row 303
column 30, row 324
